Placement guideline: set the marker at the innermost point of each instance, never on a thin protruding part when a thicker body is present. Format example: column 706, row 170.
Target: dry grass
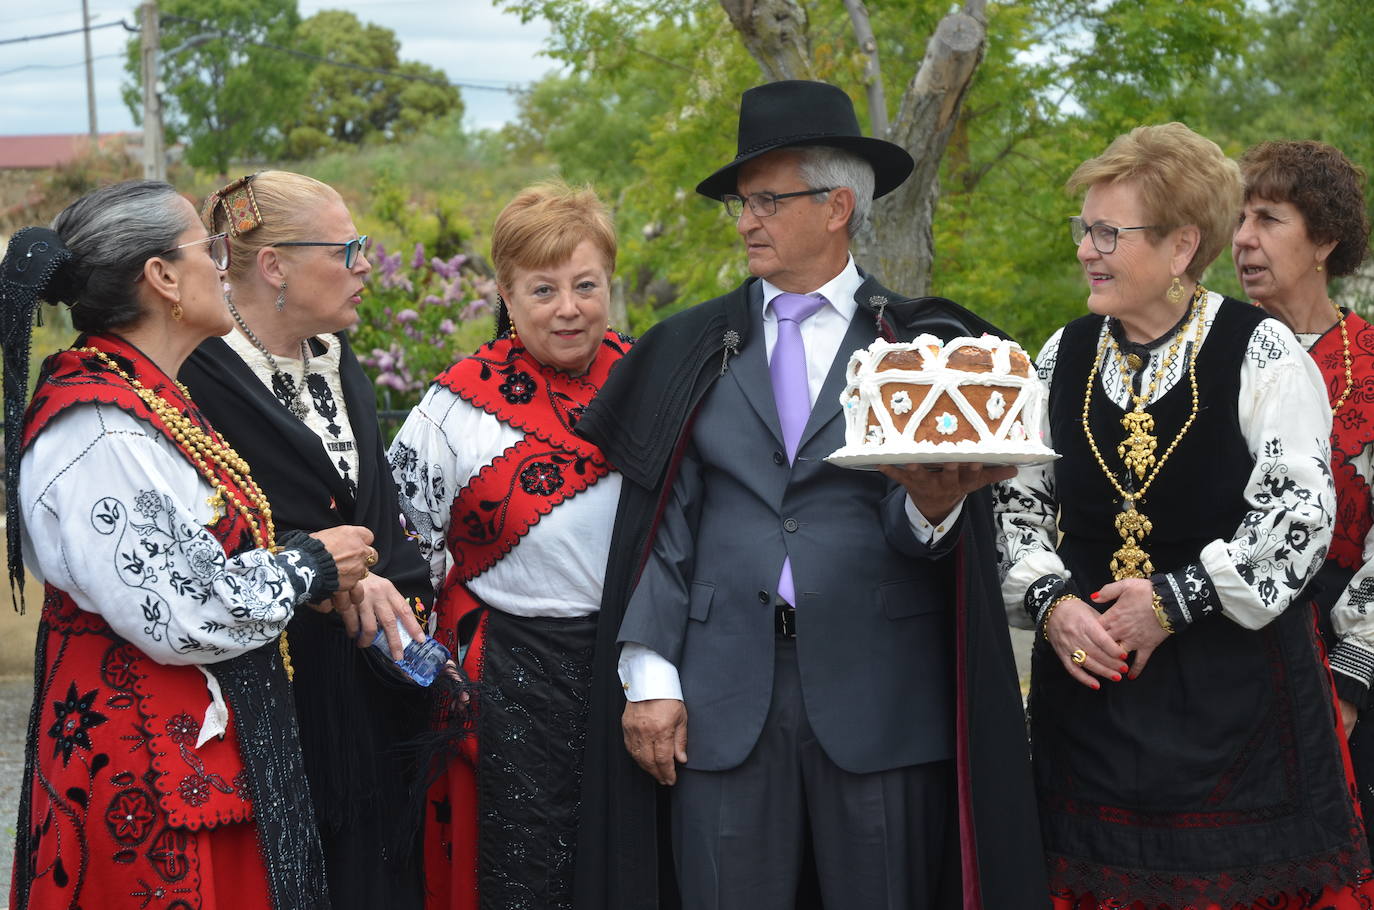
column 17, row 632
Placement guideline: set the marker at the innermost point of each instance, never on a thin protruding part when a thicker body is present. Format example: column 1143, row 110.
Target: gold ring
column 371, row 559
column 1079, row 657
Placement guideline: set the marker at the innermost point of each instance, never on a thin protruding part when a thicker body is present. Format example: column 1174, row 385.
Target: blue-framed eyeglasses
column 351, row 247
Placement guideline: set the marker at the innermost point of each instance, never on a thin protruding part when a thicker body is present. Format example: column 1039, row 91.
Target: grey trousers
column 881, row 841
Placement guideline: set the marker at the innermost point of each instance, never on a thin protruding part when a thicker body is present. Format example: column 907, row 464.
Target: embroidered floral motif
column 74, row 719
column 148, row 504
column 541, row 478
column 167, row 853
column 183, row 729
column 518, row 388
column 117, row 669
column 194, row 789
column 130, row 817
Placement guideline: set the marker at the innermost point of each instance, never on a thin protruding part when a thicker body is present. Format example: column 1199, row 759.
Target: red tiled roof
column 24, row 152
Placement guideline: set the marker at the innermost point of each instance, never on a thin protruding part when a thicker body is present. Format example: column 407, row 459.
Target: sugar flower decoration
column 946, row 423
column 900, row 402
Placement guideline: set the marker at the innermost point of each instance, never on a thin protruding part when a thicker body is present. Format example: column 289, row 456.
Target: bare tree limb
column 774, row 32
column 873, row 73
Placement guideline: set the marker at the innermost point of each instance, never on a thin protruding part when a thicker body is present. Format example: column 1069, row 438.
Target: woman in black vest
column 285, row 388
column 1183, row 722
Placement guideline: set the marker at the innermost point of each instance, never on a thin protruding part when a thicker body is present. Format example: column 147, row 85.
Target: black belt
column 784, row 619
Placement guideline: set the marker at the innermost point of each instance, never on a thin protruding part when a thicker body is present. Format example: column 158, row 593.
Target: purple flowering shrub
column 418, row 316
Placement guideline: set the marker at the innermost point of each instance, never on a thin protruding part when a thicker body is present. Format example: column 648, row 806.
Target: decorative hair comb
column 241, row 213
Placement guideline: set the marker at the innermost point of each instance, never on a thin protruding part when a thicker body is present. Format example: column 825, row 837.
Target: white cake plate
column 870, row 461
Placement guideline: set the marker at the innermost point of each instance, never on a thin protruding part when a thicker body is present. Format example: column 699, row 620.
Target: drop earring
column 281, row 297
column 177, row 311
column 1175, row 292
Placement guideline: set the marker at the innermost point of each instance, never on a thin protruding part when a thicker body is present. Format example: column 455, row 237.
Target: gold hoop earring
column 1175, row 292
column 177, row 310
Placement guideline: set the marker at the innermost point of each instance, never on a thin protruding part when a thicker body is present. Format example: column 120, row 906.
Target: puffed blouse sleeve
column 443, row 443
column 1026, row 510
column 1352, row 659
column 116, row 517
column 1282, row 540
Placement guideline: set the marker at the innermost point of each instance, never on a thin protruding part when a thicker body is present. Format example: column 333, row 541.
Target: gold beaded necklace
column 1345, row 354
column 201, row 446
column 1137, row 450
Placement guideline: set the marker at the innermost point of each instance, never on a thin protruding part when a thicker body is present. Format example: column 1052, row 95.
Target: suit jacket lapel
column 750, row 368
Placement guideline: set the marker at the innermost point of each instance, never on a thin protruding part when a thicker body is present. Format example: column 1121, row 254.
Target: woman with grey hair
column 162, row 766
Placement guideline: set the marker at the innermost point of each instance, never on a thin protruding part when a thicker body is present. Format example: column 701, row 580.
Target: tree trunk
column 898, row 245
column 774, row 32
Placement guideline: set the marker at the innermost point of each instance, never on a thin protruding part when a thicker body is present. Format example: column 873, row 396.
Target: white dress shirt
column 644, row 673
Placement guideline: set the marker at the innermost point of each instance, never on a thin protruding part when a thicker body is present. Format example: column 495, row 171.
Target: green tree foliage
column 649, row 109
column 225, row 96
column 352, row 103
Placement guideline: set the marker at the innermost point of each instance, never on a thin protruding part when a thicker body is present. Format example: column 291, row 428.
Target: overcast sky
column 43, row 83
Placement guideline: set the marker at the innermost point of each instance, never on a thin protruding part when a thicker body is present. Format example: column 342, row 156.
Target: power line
column 56, row 66
column 70, row 31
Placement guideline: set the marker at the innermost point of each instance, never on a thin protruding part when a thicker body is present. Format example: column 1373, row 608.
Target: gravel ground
column 16, row 695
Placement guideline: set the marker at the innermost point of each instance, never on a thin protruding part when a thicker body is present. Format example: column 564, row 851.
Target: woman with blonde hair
column 286, row 390
column 515, row 515
column 1182, row 724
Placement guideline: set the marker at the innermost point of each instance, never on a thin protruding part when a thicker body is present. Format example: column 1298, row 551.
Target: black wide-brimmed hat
column 795, row 112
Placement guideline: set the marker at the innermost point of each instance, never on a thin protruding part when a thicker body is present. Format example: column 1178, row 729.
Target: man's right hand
column 656, row 736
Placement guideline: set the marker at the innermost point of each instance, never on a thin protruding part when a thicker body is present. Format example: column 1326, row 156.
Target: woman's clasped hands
column 1092, row 645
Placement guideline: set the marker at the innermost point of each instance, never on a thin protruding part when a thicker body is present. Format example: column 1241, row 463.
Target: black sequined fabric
column 255, row 686
column 532, row 728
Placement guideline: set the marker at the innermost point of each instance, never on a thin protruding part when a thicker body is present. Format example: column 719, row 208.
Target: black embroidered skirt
column 532, row 728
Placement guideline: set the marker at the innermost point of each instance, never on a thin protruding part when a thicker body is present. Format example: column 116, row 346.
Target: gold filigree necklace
column 1137, row 449
column 206, row 449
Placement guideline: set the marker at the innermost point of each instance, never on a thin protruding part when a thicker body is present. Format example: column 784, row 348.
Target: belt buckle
column 785, row 621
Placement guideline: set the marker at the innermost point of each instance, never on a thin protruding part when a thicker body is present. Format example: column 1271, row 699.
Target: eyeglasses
column 351, row 247
column 219, row 249
column 1103, row 234
column 763, row 204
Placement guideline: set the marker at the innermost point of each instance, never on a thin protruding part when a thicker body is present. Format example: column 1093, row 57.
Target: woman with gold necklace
column 1304, row 223
column 163, row 766
column 1182, row 727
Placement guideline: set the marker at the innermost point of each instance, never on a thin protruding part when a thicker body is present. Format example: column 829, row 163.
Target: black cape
column 353, row 712
column 640, row 420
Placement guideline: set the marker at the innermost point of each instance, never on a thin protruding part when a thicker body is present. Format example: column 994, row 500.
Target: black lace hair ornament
column 29, row 274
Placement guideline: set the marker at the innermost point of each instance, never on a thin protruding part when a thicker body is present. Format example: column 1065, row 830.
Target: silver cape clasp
column 730, row 346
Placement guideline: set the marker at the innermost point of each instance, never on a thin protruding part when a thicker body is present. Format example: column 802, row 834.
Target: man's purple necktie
column 791, row 392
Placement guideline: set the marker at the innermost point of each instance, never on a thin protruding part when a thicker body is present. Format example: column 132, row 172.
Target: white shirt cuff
column 926, row 532
column 645, row 674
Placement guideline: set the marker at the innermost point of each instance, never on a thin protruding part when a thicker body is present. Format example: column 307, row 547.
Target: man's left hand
column 935, row 489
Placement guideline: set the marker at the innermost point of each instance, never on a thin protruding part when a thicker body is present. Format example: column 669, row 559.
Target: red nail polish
column 1096, row 686
column 1116, row 677
column 1095, row 595
column 1125, row 669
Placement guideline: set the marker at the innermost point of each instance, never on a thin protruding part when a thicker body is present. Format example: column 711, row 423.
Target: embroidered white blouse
column 1286, row 421
column 557, row 569
column 115, row 516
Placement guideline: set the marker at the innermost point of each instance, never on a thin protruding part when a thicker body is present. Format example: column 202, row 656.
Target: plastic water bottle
column 422, row 661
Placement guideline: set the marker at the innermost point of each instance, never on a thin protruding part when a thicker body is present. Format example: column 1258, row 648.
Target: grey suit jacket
column 874, row 614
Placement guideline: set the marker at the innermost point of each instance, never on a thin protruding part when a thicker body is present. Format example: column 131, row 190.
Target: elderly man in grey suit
column 803, row 644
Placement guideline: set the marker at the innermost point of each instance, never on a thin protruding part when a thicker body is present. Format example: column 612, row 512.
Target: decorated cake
column 972, row 399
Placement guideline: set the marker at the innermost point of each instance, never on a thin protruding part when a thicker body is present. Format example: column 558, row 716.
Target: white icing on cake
column 1005, row 423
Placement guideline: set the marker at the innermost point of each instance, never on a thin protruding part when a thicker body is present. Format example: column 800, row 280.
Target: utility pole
column 154, row 156
column 90, row 70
